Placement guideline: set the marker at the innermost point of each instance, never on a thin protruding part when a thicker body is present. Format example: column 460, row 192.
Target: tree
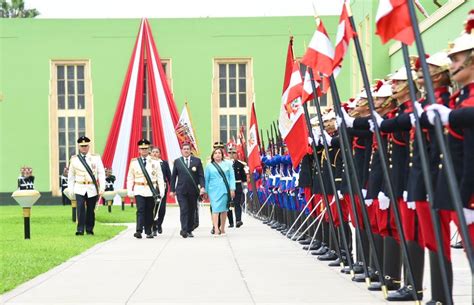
column 16, row 9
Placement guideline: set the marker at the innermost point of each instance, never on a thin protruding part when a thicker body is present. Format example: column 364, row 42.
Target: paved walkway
column 251, row 265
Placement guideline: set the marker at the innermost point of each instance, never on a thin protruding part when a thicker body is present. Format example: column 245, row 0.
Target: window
column 147, row 131
column 71, row 113
column 233, row 87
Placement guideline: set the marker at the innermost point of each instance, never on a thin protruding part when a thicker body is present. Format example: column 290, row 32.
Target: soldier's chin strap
column 465, row 64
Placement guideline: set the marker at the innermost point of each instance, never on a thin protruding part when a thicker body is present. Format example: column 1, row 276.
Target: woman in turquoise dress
column 216, row 188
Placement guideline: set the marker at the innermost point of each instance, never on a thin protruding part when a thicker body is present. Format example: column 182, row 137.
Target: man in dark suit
column 187, row 183
column 159, row 215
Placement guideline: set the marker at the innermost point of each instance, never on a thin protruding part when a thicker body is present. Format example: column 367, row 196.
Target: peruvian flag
column 393, row 21
column 320, row 53
column 253, row 149
column 343, row 37
column 292, row 122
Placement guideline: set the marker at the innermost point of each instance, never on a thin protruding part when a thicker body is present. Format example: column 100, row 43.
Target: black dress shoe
column 457, row 245
column 404, row 294
column 329, row 256
column 281, row 228
column 213, row 231
column 313, row 247
column 190, row 234
column 360, row 278
column 305, row 242
column 275, row 225
column 149, row 235
column 231, row 225
column 378, row 286
column 433, row 302
column 155, row 233
column 183, row 234
column 137, row 235
column 239, row 224
column 357, row 268
column 90, row 232
column 335, row 263
column 322, row 250
column 79, row 233
column 160, row 230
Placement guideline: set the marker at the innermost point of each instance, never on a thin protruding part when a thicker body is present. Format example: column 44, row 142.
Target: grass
column 52, row 239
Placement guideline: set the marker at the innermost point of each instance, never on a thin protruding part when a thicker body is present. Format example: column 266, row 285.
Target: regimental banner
column 185, row 131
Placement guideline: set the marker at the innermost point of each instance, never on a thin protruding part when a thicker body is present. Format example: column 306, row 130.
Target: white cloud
column 181, row 8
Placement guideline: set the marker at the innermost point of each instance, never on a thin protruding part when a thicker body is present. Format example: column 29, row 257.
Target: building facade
column 60, row 79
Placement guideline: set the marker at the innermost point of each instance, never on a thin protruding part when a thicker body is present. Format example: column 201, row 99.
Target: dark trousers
column 187, row 210
column 161, row 213
column 238, row 201
column 144, row 213
column 85, row 212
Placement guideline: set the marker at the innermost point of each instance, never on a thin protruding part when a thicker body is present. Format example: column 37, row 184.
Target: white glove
column 412, row 119
column 328, row 137
column 339, row 194
column 378, row 118
column 419, row 108
column 442, row 110
column 130, row 194
column 316, row 134
column 349, row 120
column 469, row 215
column 368, row 202
column 338, row 121
column 405, row 195
column 371, row 125
column 411, row 205
column 384, row 201
column 364, row 192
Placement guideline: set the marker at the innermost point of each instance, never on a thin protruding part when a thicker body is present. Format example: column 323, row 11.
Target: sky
column 181, row 8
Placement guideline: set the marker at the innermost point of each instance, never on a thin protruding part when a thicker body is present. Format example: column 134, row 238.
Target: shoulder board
column 133, row 159
column 242, row 162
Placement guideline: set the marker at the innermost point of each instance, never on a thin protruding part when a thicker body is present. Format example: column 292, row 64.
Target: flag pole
column 427, row 178
column 191, row 121
column 447, row 161
column 381, row 150
column 333, row 185
column 394, row 203
column 321, row 183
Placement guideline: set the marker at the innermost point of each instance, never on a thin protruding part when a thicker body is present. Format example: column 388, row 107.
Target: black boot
column 392, row 261
column 437, row 291
column 329, row 256
column 404, row 294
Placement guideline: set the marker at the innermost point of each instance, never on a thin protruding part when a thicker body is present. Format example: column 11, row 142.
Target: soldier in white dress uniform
column 86, row 179
column 138, row 187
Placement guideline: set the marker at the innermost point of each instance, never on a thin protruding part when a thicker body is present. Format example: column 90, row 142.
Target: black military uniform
column 240, row 184
column 165, row 168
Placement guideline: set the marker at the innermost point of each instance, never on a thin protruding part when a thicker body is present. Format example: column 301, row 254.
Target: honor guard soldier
column 63, row 182
column 240, row 185
column 145, row 182
column 109, row 180
column 86, row 179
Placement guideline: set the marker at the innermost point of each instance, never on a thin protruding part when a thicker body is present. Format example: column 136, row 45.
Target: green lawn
column 52, row 239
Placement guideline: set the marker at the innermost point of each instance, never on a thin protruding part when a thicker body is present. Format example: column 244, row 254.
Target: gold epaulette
column 243, row 162
column 133, row 159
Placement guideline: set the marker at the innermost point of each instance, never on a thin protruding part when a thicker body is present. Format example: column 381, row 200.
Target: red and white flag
column 253, row 149
column 393, row 21
column 343, row 37
column 292, row 122
column 320, row 53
